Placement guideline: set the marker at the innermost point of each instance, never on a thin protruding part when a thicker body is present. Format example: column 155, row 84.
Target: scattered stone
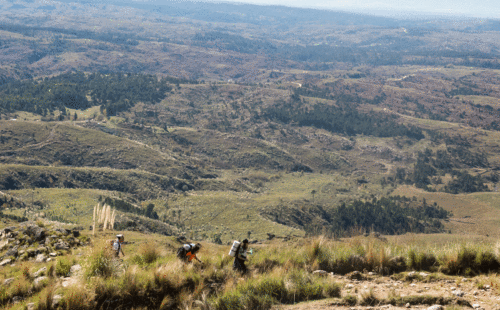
column 371, row 273
column 423, row 274
column 12, row 252
column 349, row 286
column 40, row 258
column 40, row 272
column 49, row 259
column 458, row 293
column 320, row 272
column 475, row 306
column 475, row 293
column 8, row 281
column 75, row 269
column 411, row 274
column 37, row 282
column 61, row 245
column 56, row 300
column 407, row 305
column 16, row 299
column 465, row 280
column 355, row 275
column 53, row 254
column 413, row 284
column 486, row 287
column 435, row 307
column 30, row 306
column 69, row 281
column 5, row 262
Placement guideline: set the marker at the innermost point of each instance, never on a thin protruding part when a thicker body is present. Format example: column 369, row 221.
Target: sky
column 472, row 8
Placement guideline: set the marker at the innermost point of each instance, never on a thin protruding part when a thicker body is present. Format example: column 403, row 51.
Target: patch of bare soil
column 413, row 290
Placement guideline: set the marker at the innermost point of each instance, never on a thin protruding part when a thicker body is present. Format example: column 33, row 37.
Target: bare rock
column 40, row 258
column 75, row 269
column 355, row 275
column 435, row 307
column 476, row 306
column 5, row 262
column 458, row 293
column 40, row 272
column 38, row 281
column 320, row 272
column 30, row 306
column 8, row 281
column 56, row 300
column 61, row 245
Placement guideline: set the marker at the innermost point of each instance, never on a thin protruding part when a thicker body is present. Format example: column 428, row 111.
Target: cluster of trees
column 344, row 119
column 115, row 92
column 387, row 216
column 435, row 164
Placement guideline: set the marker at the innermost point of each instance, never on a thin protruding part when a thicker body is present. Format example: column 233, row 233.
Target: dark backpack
column 182, row 252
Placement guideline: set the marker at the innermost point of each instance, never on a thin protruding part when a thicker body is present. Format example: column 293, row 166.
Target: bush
column 76, row 298
column 350, row 300
column 63, row 267
column 332, row 289
column 100, row 261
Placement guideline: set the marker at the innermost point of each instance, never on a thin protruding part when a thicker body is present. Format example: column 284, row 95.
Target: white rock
column 5, row 262
column 475, row 293
column 75, row 269
column 465, row 280
column 475, row 306
column 39, row 272
column 486, row 287
column 30, row 306
column 349, row 286
column 413, row 284
column 53, row 254
column 458, row 293
column 412, row 274
column 423, row 274
column 407, row 305
column 39, row 280
column 55, row 300
column 435, row 307
column 40, row 258
column 8, row 281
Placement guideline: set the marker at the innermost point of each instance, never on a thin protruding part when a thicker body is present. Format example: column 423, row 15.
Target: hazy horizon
column 408, row 8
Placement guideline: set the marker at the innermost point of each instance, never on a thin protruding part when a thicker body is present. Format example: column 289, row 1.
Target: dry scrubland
column 367, row 271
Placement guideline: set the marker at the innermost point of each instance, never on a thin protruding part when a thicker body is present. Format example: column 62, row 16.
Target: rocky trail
column 413, row 290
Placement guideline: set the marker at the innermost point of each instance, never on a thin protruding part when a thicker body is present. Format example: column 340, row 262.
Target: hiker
column 117, row 245
column 240, row 257
column 188, row 252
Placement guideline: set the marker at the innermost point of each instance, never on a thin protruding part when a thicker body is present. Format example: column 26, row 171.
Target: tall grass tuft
column 100, row 261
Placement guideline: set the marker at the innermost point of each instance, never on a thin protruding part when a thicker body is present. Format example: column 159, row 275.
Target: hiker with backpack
column 239, row 251
column 117, row 245
column 188, row 252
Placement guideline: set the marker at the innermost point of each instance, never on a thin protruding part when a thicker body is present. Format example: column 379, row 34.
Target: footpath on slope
column 416, row 290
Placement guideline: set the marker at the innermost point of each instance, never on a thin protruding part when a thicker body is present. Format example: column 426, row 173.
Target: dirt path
column 478, row 292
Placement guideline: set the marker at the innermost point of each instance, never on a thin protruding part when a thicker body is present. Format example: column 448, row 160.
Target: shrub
column 46, row 299
column 487, row 262
column 100, row 261
column 63, row 267
column 149, row 252
column 368, row 298
column 76, row 298
column 350, row 300
column 332, row 289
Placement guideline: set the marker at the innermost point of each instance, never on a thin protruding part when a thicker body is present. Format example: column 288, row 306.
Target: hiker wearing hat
column 188, row 252
column 117, row 245
column 241, row 257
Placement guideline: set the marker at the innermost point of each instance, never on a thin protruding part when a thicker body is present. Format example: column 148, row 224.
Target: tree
column 75, row 116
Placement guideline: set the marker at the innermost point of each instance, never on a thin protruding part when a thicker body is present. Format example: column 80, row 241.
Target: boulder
column 56, row 300
column 8, row 281
column 38, row 281
column 61, row 245
column 355, row 275
column 40, row 258
column 5, row 262
column 75, row 269
column 12, row 252
column 40, row 272
column 320, row 273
